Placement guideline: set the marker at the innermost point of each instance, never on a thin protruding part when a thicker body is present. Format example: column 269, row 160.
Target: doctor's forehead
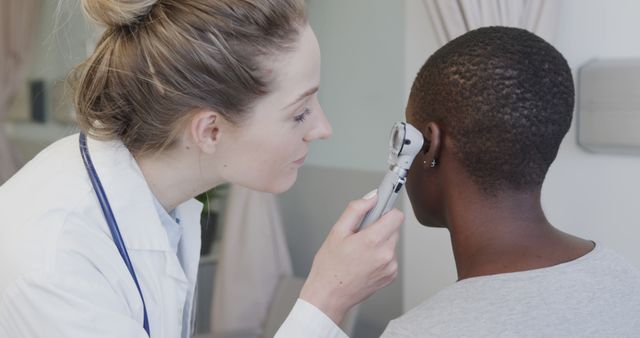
column 296, row 72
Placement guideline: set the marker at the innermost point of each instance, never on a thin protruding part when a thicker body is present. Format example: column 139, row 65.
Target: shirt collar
column 171, row 224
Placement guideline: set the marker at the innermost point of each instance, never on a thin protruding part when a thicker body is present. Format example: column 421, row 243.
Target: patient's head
column 498, row 101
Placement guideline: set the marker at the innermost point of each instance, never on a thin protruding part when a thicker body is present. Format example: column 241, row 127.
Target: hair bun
column 117, row 12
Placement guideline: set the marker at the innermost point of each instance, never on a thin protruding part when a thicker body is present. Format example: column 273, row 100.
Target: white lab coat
column 60, row 272
column 61, row 275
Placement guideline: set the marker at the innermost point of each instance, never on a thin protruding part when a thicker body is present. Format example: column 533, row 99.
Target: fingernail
column 371, row 194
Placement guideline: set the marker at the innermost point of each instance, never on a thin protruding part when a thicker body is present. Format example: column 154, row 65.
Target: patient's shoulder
column 599, row 290
column 443, row 315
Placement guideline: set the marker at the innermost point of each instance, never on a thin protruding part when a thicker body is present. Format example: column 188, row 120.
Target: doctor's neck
column 176, row 175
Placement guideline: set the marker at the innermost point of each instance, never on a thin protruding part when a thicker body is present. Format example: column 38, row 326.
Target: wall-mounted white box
column 609, row 106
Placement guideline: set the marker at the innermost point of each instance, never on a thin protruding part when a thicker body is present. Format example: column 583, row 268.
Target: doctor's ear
column 204, row 130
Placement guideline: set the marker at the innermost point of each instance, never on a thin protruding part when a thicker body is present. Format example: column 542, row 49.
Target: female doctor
column 100, row 232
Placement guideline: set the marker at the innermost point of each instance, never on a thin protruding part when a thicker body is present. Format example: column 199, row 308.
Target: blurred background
column 371, row 51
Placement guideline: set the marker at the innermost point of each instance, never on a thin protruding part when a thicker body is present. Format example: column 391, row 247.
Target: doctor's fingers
column 392, row 241
column 384, row 257
column 389, row 271
column 353, row 215
column 388, row 252
column 385, row 228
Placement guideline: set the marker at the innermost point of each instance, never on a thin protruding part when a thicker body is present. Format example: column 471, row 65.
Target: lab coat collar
column 132, row 203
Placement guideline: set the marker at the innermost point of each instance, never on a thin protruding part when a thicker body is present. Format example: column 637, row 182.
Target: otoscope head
column 405, row 143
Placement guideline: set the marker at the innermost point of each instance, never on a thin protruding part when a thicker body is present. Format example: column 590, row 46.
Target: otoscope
column 405, row 142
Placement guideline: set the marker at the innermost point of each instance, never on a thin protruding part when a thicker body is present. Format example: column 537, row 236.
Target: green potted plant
column 213, row 201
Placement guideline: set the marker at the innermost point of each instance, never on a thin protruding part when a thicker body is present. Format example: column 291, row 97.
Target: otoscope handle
column 387, row 194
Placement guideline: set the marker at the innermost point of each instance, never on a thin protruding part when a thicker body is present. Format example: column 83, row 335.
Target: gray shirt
column 597, row 295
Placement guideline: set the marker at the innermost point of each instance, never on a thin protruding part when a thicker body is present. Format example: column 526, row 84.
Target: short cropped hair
column 505, row 97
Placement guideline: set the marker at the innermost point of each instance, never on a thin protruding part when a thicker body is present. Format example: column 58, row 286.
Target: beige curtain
column 452, row 18
column 254, row 257
column 18, row 22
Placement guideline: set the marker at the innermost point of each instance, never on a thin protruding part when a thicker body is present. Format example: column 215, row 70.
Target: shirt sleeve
column 305, row 320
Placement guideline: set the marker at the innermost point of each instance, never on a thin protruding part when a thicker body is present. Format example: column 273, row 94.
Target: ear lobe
column 205, row 130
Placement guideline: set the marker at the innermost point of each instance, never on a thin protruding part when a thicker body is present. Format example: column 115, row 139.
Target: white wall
column 596, row 196
column 428, row 264
column 362, row 79
column 591, row 195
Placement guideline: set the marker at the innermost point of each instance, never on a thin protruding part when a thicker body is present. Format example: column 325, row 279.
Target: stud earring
column 433, row 163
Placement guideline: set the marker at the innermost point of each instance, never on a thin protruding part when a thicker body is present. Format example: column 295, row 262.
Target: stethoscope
column 111, row 221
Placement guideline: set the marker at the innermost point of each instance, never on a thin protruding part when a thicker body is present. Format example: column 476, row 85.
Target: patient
column 494, row 105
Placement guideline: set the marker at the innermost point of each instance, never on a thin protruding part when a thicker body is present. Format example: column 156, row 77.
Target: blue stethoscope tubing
column 111, row 221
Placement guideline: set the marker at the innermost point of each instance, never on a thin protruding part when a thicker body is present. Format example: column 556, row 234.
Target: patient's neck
column 506, row 233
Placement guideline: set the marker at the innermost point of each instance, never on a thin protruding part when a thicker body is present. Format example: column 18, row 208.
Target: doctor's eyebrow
column 303, row 95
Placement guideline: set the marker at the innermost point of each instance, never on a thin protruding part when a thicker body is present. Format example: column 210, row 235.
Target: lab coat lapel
column 133, row 207
column 164, row 281
column 129, row 195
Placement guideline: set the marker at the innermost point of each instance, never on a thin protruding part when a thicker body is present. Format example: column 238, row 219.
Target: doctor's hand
column 350, row 266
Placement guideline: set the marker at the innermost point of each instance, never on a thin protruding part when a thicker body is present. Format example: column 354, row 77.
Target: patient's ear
column 432, row 143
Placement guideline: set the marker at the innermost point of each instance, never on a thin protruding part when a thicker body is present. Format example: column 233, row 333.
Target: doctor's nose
column 322, row 128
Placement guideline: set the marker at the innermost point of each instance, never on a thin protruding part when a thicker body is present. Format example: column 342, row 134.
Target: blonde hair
column 159, row 60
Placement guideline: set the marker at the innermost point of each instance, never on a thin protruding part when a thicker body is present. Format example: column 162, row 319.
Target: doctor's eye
column 302, row 116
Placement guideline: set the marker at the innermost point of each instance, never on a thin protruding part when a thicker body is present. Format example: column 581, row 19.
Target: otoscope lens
column 397, row 137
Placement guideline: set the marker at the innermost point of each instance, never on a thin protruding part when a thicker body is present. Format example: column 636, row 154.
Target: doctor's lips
column 300, row 161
